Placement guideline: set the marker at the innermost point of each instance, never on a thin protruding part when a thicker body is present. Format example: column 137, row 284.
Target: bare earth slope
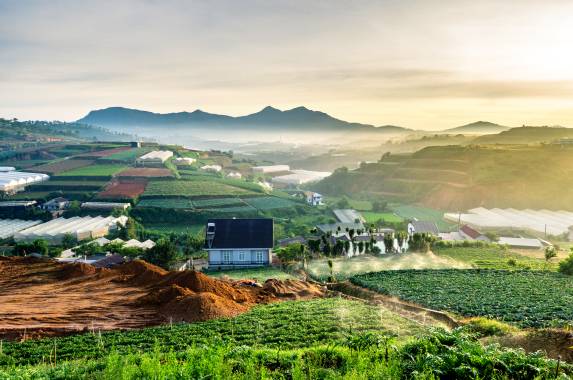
column 43, row 297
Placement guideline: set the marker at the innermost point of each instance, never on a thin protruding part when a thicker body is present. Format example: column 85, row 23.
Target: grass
column 526, row 298
column 190, row 229
column 373, row 217
column 260, row 274
column 493, row 258
column 94, row 170
column 192, row 189
column 423, row 213
column 127, row 155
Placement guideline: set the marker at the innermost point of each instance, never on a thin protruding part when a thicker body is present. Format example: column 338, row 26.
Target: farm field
column 146, row 173
column 525, row 298
column 124, row 189
column 259, row 274
column 190, row 229
column 269, row 203
column 57, row 185
column 94, row 170
column 423, row 213
column 388, row 217
column 192, row 189
column 344, row 268
column 62, row 166
column 127, row 155
column 494, row 258
column 106, row 152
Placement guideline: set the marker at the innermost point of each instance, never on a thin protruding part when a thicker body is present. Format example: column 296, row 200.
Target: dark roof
column 474, row 234
column 109, row 261
column 428, row 227
column 241, row 233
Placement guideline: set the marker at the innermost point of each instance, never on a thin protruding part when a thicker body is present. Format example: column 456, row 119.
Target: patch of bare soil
column 556, row 343
column 43, row 297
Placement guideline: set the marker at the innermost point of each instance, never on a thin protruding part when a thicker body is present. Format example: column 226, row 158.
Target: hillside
column 297, row 119
column 478, row 128
column 527, row 135
column 456, row 178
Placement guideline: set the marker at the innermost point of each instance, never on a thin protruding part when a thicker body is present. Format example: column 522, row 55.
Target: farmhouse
column 239, row 243
column 312, row 198
column 157, row 157
column 56, row 204
column 423, row 227
column 211, row 168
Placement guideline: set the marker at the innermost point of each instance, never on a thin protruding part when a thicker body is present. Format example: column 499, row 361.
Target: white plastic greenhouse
column 8, row 227
column 81, row 228
column 11, row 181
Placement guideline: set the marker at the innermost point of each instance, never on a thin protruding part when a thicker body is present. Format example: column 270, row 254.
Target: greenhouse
column 8, row 227
column 81, row 228
column 537, row 221
column 12, row 181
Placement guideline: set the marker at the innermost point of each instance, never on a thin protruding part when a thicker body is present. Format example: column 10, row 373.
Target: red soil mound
column 141, row 272
column 201, row 307
column 293, row 289
column 199, row 283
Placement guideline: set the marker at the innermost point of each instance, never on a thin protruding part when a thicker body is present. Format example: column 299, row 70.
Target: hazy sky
column 420, row 64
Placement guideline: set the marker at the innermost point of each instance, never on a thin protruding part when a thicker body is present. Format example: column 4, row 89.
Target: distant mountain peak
column 478, row 127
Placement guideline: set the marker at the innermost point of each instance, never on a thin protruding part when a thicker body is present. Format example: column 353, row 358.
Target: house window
column 259, row 257
column 242, row 256
column 227, row 257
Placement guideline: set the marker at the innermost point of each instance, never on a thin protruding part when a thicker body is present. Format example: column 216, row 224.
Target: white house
column 312, row 198
column 239, row 243
column 235, row 175
column 184, row 161
column 56, row 204
column 271, row 169
column 211, row 168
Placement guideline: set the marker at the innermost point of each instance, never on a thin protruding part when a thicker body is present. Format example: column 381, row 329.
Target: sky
column 418, row 64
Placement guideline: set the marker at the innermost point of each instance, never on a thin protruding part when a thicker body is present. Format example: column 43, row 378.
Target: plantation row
column 220, row 204
column 526, row 298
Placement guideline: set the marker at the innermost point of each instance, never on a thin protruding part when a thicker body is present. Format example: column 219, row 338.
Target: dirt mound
column 164, row 295
column 293, row 289
column 141, row 272
column 200, row 283
column 76, row 270
column 201, row 307
column 555, row 343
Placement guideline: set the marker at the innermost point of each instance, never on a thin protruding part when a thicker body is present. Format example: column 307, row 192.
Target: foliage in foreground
column 365, row 356
column 527, row 298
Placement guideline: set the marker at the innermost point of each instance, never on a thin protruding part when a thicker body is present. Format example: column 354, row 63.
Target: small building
column 105, row 206
column 469, row 233
column 524, row 243
column 348, row 216
column 239, row 243
column 211, row 168
column 312, row 198
column 56, row 204
column 234, row 175
column 423, row 227
column 154, row 158
column 184, row 161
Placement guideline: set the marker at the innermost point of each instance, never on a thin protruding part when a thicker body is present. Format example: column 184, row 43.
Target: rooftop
column 239, row 233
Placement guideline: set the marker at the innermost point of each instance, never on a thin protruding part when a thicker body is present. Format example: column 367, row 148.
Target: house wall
column 244, row 257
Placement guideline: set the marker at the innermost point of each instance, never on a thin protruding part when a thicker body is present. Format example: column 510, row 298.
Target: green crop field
column 190, row 229
column 493, row 258
column 127, row 155
column 373, row 217
column 169, row 203
column 321, row 339
column 192, row 189
column 94, row 170
column 217, row 202
column 526, row 298
column 269, row 203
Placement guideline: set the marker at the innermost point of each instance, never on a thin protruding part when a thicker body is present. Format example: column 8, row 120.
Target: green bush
column 566, row 266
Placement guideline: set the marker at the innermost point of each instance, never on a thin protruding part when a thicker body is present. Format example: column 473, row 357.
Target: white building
column 271, row 169
column 299, row 177
column 312, row 198
column 211, row 168
column 184, row 161
column 81, row 228
column 525, row 243
column 105, row 206
column 9, row 227
column 156, row 157
column 234, row 175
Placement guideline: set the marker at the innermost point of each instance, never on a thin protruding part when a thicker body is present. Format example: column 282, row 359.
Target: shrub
column 488, row 327
column 566, row 266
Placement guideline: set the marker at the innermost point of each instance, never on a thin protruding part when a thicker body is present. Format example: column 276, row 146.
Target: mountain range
column 478, row 127
column 269, row 118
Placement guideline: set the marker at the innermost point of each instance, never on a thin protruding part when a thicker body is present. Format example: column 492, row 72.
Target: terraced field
column 105, row 170
column 191, row 189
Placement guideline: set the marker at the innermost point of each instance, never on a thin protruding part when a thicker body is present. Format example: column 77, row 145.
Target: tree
column 88, row 249
column 401, row 236
column 343, row 203
column 163, row 254
column 379, row 206
column 346, row 246
column 566, row 266
column 550, row 252
column 69, row 241
column 388, row 243
column 331, row 270
column 129, row 231
column 290, row 253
